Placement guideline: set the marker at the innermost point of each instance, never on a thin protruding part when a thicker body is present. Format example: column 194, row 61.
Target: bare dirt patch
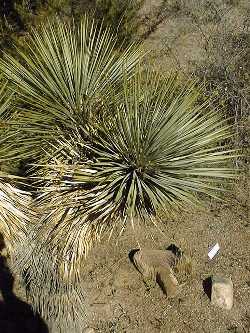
column 121, row 302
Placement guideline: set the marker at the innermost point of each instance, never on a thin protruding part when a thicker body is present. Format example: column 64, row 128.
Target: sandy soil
column 121, row 302
column 179, row 34
column 118, row 300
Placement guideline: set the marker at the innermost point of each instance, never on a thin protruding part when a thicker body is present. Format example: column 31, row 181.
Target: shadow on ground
column 16, row 316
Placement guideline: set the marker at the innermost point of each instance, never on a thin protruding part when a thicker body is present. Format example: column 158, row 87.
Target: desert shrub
column 226, row 71
column 17, row 17
column 222, row 30
column 121, row 16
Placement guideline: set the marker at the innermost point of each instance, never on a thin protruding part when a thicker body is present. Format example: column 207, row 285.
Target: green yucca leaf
column 161, row 150
column 65, row 77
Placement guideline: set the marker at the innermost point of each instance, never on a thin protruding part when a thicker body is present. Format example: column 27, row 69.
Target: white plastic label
column 214, row 250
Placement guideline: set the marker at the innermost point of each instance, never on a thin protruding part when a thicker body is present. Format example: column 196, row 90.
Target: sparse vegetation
column 223, row 65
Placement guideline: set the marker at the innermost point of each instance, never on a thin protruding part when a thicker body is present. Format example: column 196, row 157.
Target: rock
column 222, row 292
column 156, row 266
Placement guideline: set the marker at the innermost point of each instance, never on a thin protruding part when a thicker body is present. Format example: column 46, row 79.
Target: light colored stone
column 222, row 292
column 156, row 266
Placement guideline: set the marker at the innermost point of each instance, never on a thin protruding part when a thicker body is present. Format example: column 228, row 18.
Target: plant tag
column 214, row 250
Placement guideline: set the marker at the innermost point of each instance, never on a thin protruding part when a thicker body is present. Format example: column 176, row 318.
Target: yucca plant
column 109, row 145
column 159, row 151
column 64, row 80
column 64, row 76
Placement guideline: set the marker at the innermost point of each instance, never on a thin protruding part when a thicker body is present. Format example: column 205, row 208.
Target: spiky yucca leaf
column 64, row 78
column 161, row 149
column 50, row 266
column 51, row 258
column 61, row 303
column 14, row 203
column 5, row 114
